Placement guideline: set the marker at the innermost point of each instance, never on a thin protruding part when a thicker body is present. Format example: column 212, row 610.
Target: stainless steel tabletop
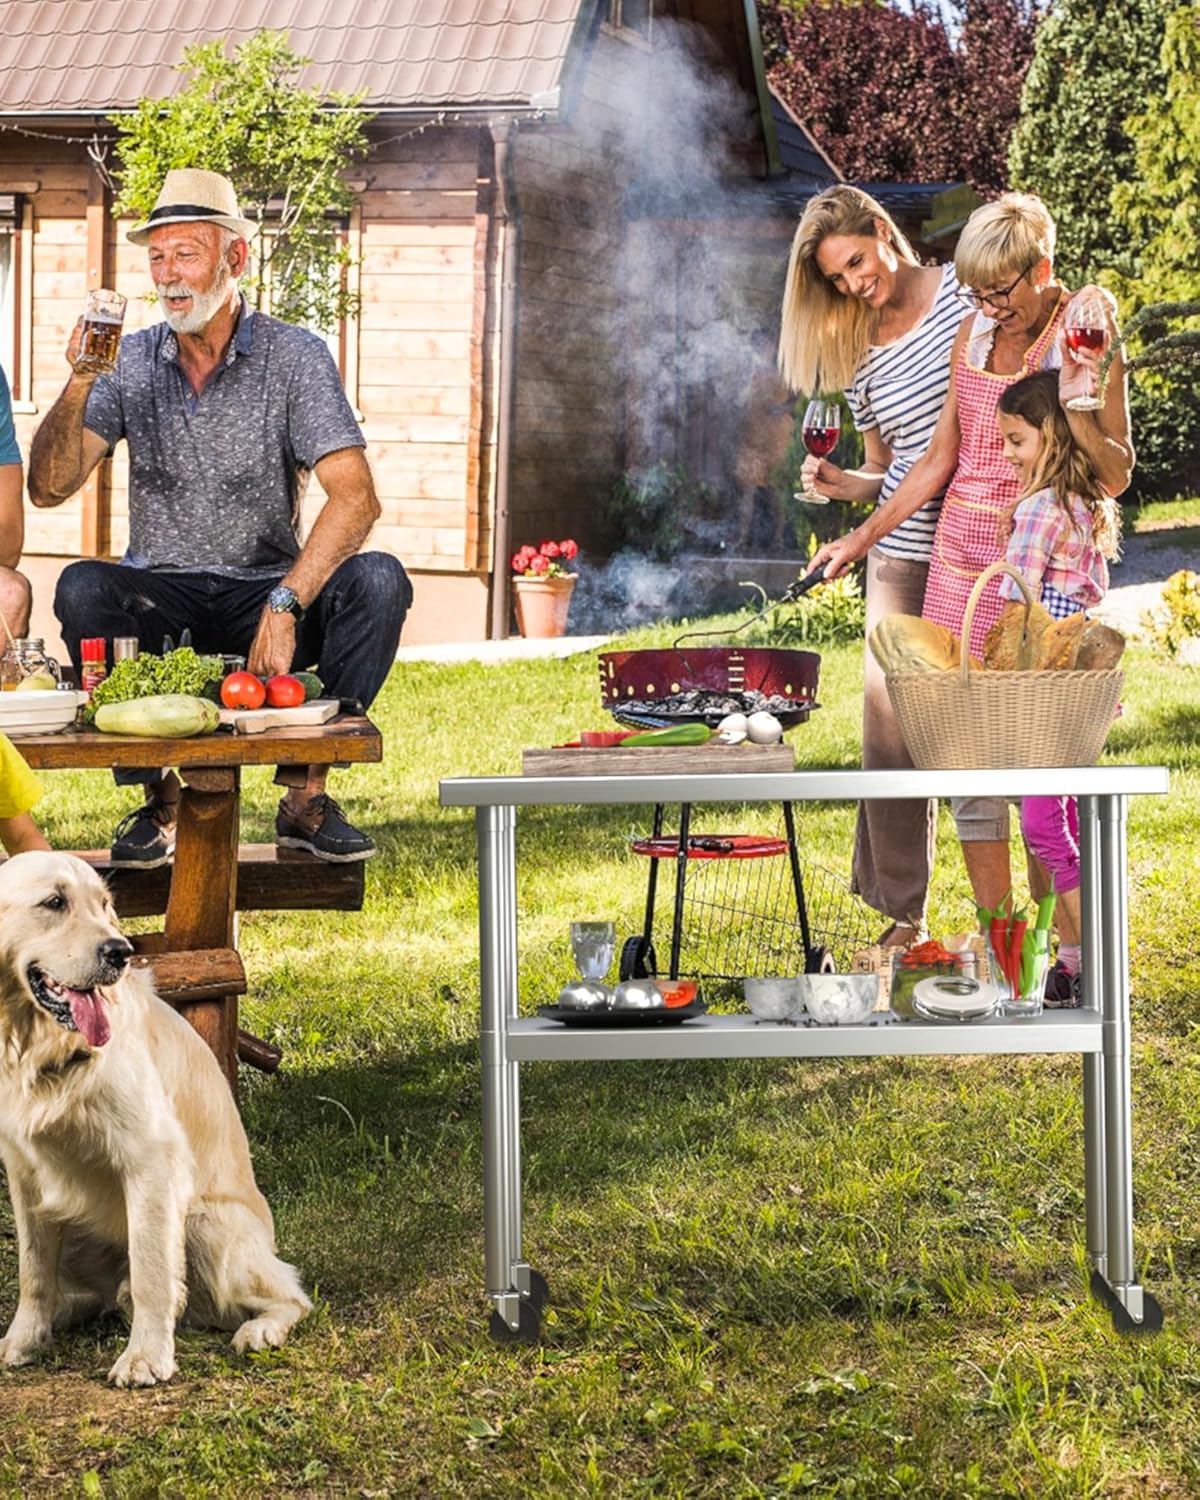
column 801, row 786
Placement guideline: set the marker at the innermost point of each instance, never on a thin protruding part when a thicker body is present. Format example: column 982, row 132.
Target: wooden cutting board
column 658, row 760
column 255, row 720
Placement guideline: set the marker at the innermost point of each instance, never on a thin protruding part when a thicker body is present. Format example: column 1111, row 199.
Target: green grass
column 835, row 1278
column 1158, row 514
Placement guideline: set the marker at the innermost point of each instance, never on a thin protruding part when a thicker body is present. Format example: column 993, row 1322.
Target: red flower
column 568, row 549
column 538, row 564
column 517, row 561
column 549, row 549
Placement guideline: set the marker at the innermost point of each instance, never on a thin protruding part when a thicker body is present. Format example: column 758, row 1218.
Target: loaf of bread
column 1059, row 644
column 1100, row 648
column 1012, row 645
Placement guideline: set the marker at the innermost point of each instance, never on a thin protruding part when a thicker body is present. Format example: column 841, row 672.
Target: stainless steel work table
column 1100, row 1031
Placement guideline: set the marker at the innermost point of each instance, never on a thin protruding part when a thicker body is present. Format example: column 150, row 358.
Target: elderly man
column 14, row 586
column 225, row 410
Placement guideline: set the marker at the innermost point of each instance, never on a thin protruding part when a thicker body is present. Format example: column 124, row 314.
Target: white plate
column 952, row 997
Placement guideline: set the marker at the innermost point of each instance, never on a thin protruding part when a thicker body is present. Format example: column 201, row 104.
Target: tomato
column 242, row 690
column 285, row 692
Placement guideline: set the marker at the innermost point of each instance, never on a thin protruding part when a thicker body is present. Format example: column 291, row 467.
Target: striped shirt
column 900, row 388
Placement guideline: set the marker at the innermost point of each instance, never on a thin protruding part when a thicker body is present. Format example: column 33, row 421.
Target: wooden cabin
column 571, row 220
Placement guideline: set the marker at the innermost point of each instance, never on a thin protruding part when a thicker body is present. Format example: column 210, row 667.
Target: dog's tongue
column 89, row 1015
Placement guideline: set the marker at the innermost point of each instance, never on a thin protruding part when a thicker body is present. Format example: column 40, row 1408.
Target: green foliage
column 654, row 511
column 147, row 676
column 1072, row 144
column 1179, row 618
column 1108, row 138
column 284, row 147
column 833, row 613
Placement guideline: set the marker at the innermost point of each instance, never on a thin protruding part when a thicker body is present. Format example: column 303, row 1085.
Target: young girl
column 1065, row 529
column 19, row 791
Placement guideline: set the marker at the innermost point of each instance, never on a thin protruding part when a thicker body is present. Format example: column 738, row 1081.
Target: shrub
column 1179, row 617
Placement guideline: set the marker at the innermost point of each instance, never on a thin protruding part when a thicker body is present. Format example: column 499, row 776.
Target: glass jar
column 25, row 656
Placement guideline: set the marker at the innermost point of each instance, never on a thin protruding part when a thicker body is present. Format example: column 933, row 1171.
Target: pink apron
column 984, row 484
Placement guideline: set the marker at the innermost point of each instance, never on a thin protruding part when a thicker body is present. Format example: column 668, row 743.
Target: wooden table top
column 347, row 738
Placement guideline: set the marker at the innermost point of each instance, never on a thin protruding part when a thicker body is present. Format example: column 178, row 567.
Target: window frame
column 19, row 231
column 616, row 25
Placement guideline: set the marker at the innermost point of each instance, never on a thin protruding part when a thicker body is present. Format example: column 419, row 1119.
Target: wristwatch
column 283, row 600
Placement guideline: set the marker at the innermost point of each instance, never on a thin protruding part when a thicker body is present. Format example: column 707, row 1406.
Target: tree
column 1071, row 145
column 901, row 96
column 285, row 149
column 1090, row 129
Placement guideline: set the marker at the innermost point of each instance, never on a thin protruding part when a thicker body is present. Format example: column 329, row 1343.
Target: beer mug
column 103, row 314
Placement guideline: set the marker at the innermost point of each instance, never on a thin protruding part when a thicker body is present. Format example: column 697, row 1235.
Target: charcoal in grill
column 698, row 704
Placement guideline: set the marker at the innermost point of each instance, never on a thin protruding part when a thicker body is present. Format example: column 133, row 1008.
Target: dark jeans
column 349, row 635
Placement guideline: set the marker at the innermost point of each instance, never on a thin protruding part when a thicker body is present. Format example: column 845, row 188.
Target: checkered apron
column 984, row 484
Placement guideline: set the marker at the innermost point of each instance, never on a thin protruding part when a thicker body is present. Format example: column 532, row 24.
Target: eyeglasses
column 998, row 299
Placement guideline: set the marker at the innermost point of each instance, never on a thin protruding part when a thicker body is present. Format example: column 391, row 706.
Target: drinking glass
column 1028, row 1000
column 1086, row 328
column 593, row 944
column 103, row 314
column 821, row 428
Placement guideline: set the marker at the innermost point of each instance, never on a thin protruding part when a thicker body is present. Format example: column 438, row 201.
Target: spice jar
column 92, row 668
column 24, row 657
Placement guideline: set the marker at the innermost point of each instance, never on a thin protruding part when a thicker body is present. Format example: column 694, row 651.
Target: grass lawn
column 841, row 1278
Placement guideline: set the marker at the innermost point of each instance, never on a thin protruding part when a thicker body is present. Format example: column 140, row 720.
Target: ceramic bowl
column 40, row 712
column 839, row 999
column 773, row 999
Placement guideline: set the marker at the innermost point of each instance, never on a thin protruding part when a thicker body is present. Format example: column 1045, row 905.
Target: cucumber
column 677, row 734
column 313, row 686
column 161, row 716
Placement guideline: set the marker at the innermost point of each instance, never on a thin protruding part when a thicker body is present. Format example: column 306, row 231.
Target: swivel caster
column 1152, row 1316
column 820, row 961
column 637, row 958
column 539, row 1293
column 529, row 1324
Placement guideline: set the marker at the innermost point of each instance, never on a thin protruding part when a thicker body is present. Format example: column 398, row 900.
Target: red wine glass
column 821, row 428
column 1086, row 328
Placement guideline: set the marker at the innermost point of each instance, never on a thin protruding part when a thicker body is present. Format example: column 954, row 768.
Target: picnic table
column 195, row 960
column 1099, row 1031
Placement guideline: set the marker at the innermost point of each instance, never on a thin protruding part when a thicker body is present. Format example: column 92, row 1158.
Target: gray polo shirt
column 214, row 479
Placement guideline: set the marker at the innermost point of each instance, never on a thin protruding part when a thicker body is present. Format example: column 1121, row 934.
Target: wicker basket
column 992, row 720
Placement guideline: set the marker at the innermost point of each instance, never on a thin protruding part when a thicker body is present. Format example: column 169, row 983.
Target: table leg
column 1093, row 1067
column 203, row 896
column 512, row 1285
column 1133, row 1309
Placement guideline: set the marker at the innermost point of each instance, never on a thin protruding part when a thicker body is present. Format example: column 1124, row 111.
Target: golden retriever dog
column 127, row 1163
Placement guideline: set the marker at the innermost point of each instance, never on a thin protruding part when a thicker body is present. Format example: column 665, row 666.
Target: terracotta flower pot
column 542, row 604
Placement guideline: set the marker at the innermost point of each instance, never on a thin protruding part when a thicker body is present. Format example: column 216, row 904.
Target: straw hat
column 189, row 195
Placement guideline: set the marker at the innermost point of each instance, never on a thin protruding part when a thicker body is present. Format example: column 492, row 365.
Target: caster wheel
column 1152, row 1317
column 539, row 1293
column 529, row 1325
column 820, row 961
column 637, row 959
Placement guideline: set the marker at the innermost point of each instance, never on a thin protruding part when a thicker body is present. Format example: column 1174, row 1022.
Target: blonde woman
column 861, row 313
column 1005, row 259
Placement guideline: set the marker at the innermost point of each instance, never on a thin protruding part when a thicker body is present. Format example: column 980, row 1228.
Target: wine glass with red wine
column 1086, row 329
column 820, row 430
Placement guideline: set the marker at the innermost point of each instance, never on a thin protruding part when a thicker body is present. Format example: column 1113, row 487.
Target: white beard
column 205, row 305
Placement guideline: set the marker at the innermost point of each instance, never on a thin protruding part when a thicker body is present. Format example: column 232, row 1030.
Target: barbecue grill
column 657, row 688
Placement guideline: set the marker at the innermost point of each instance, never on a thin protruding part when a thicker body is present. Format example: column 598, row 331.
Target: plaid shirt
column 1055, row 553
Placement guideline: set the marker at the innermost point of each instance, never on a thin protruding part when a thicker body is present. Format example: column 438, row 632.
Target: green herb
column 147, row 675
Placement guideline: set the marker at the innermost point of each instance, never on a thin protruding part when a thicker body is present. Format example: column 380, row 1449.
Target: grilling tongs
column 795, row 590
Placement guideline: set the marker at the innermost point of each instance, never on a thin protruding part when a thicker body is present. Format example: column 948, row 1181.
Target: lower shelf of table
column 742, row 1036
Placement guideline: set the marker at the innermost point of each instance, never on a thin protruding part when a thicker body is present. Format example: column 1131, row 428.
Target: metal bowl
column 638, row 994
column 585, row 994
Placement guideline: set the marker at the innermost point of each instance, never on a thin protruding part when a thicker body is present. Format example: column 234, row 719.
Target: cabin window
column 632, row 15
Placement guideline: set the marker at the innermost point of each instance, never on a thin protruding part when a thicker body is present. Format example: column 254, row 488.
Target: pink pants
column 1051, row 829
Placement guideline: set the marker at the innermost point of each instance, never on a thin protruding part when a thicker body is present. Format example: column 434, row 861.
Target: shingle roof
column 92, row 56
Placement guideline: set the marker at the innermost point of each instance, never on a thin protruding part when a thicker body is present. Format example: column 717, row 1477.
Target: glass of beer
column 103, row 314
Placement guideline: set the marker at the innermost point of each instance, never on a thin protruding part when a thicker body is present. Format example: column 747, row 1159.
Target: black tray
column 659, row 1016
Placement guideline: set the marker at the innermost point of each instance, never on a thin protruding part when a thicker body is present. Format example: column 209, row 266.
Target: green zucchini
column 164, row 715
column 677, row 734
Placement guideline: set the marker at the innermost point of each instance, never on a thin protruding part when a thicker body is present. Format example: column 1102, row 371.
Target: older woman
column 1006, row 257
column 861, row 313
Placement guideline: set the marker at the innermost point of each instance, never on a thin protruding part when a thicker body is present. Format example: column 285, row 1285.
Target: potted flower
column 542, row 584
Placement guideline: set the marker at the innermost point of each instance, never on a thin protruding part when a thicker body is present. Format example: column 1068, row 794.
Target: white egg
column 764, row 728
column 733, row 724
